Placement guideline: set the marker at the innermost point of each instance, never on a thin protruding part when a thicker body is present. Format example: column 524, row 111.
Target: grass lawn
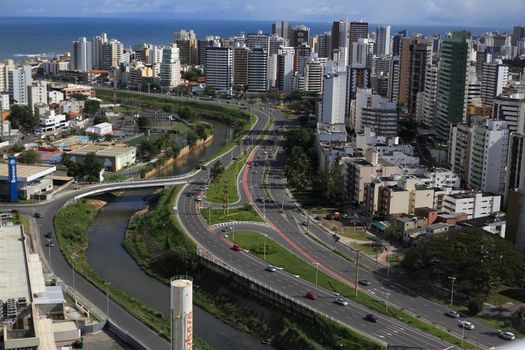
column 358, row 234
column 216, row 192
column 367, row 248
column 278, row 256
column 238, row 214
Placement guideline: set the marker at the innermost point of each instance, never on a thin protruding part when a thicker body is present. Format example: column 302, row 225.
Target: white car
column 341, row 301
column 466, row 325
column 271, row 268
column 452, row 313
column 506, row 335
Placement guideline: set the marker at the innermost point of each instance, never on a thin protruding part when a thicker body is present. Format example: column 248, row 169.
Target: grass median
column 276, row 255
column 215, row 194
column 217, row 216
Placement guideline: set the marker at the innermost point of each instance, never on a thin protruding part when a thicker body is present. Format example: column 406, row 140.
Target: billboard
column 13, row 180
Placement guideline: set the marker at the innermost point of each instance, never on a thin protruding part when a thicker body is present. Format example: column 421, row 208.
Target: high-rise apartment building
column 4, row 74
column 112, row 52
column 219, row 68
column 376, row 112
column 333, row 107
column 186, row 41
column 285, row 70
column 275, row 43
column 257, row 70
column 450, row 95
column 313, row 75
column 427, row 112
column 97, row 47
column 515, row 176
column 258, row 40
column 459, row 151
column 489, row 157
column 170, row 67
column 37, row 94
column 340, row 47
column 396, row 42
column 510, row 108
column 19, row 81
column 362, row 53
column 382, row 47
column 81, row 55
column 300, row 35
column 240, row 67
column 518, row 33
column 393, row 80
column 358, row 30
column 494, row 78
column 324, row 45
column 282, row 29
column 358, row 78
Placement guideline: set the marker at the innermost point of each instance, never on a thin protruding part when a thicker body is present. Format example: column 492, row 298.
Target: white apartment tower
column 313, row 75
column 427, row 113
column 170, row 67
column 97, row 46
column 285, row 61
column 333, row 108
column 219, row 68
column 488, row 158
column 19, row 81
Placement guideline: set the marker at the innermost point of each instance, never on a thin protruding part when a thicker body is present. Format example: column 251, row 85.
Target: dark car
column 50, row 244
column 14, row 211
column 38, row 215
column 371, row 318
column 311, row 295
column 48, row 235
column 364, row 282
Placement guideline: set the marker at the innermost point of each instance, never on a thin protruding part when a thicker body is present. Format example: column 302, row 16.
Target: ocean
column 22, row 38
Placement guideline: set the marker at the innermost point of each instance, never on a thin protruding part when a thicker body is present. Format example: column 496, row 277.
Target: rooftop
column 26, row 173
column 13, row 273
column 483, row 221
column 102, row 151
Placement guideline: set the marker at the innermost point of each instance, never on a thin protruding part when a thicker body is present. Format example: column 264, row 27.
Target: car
column 311, row 295
column 452, row 313
column 364, row 282
column 371, row 318
column 271, row 268
column 50, row 244
column 506, row 335
column 318, row 218
column 236, row 247
column 466, row 325
column 14, row 211
column 341, row 301
column 304, row 223
column 38, row 215
column 48, row 235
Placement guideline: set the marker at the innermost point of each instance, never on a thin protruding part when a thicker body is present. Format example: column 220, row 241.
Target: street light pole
column 452, row 278
column 357, row 275
column 265, row 236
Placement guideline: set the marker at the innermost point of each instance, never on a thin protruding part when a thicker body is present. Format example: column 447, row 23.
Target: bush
column 475, row 306
column 518, row 319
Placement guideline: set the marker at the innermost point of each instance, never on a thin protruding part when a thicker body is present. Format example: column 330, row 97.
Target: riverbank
column 160, row 246
column 71, row 224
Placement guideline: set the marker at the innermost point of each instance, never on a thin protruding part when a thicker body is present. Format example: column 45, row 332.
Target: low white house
column 100, row 129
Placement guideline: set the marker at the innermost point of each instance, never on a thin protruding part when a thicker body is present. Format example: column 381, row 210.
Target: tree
column 216, row 171
column 30, row 156
column 163, row 142
column 475, row 306
column 91, row 107
column 298, row 169
column 210, row 91
column 100, row 118
column 393, row 234
column 191, row 138
column 147, row 149
column 479, row 260
column 91, row 167
column 518, row 319
column 188, row 114
column 143, row 122
column 21, row 117
column 200, row 130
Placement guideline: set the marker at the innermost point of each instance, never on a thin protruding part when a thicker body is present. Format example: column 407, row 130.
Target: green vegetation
column 358, row 234
column 246, row 213
column 215, row 194
column 30, row 156
column 367, row 248
column 480, row 261
column 89, row 169
column 91, row 107
column 278, row 256
column 21, row 117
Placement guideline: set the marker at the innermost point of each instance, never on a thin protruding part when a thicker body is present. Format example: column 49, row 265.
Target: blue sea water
column 20, row 37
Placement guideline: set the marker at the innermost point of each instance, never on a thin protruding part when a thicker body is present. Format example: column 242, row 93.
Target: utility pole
column 307, row 223
column 316, row 271
column 226, row 207
column 452, row 278
column 357, row 275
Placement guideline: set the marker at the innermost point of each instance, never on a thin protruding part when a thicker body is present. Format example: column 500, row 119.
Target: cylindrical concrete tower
column 181, row 313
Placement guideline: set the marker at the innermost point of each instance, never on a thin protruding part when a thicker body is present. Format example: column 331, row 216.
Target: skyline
column 480, row 13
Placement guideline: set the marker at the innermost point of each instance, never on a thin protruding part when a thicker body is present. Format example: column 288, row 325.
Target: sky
column 480, row 13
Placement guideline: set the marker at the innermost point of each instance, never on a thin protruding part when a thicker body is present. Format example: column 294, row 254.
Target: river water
column 109, row 258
